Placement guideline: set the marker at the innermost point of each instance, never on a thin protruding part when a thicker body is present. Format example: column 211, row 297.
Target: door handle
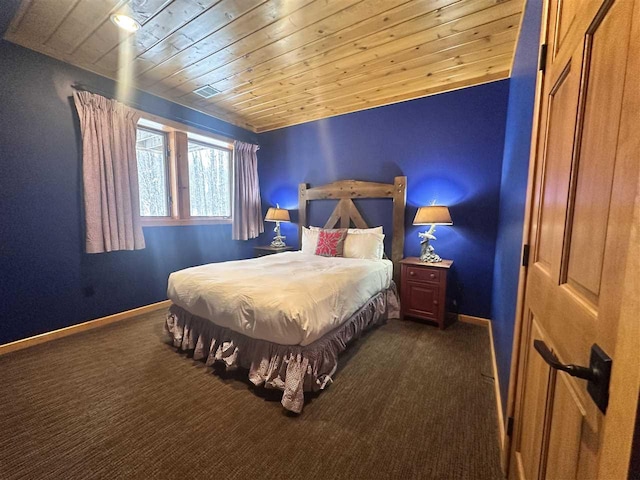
column 553, row 362
column 598, row 373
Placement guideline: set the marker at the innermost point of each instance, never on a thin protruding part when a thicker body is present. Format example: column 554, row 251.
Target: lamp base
column 430, row 258
column 428, row 254
column 278, row 241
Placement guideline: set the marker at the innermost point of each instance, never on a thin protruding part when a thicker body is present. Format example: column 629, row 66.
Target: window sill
column 177, row 222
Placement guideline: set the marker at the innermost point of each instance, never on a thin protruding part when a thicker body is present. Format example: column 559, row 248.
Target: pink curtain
column 247, row 213
column 109, row 174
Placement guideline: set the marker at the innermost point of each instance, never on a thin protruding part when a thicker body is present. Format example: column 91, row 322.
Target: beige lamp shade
column 433, row 215
column 277, row 215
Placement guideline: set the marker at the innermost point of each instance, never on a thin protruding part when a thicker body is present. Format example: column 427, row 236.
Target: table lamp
column 432, row 215
column 277, row 215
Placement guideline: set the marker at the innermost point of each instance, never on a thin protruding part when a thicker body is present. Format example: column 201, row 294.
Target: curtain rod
column 111, row 96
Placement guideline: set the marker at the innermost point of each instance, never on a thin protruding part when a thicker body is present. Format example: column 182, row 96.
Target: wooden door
column 584, row 251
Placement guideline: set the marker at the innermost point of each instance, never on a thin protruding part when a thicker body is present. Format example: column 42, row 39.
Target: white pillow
column 359, row 231
column 309, row 240
column 364, row 245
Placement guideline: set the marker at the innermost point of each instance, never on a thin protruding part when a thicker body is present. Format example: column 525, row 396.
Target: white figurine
column 427, row 253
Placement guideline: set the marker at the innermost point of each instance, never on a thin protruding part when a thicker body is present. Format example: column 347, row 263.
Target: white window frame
column 209, row 144
column 167, row 169
column 178, row 135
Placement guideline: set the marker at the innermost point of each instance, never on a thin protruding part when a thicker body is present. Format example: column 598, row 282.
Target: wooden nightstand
column 269, row 250
column 423, row 289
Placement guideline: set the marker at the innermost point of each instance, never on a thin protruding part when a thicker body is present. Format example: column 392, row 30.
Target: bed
column 285, row 318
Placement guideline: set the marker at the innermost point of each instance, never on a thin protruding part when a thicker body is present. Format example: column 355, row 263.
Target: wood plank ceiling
column 280, row 62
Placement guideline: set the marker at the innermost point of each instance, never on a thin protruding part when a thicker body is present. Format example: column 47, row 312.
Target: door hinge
column 509, row 426
column 525, row 255
column 542, row 59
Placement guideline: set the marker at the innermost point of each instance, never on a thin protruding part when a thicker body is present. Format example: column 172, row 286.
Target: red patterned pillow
column 331, row 242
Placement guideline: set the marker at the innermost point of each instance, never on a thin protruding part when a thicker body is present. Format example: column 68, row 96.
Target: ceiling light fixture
column 125, row 22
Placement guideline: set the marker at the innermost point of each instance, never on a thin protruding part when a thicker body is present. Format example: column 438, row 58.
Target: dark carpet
column 408, row 402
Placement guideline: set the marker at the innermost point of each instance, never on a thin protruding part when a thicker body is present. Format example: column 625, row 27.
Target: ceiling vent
column 206, row 92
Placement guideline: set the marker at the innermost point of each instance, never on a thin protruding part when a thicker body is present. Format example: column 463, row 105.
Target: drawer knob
column 412, row 273
column 433, row 275
column 435, row 302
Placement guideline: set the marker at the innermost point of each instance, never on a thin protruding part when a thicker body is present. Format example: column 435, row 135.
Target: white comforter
column 288, row 298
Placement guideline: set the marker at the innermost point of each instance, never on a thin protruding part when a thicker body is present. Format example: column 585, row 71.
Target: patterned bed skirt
column 294, row 369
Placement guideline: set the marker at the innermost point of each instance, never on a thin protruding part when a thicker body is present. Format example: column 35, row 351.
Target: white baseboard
column 81, row 327
column 485, row 322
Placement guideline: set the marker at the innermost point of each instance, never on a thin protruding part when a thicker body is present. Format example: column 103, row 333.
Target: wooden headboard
column 346, row 212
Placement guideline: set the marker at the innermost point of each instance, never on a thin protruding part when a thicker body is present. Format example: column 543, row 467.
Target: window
column 151, row 152
column 209, row 181
column 184, row 175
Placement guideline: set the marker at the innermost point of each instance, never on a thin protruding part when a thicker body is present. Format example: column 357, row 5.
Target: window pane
column 152, row 173
column 209, row 178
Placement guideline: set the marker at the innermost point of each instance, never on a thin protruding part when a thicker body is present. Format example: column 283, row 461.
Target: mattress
column 289, row 298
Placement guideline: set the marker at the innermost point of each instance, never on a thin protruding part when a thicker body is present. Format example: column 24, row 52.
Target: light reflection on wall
column 326, row 145
column 125, row 70
column 435, row 190
column 444, row 190
column 287, row 197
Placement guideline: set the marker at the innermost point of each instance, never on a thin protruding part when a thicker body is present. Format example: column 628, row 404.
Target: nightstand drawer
column 423, row 274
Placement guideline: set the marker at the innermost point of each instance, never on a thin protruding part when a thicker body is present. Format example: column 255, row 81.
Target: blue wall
column 449, row 146
column 46, row 280
column 513, row 189
column 453, row 147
